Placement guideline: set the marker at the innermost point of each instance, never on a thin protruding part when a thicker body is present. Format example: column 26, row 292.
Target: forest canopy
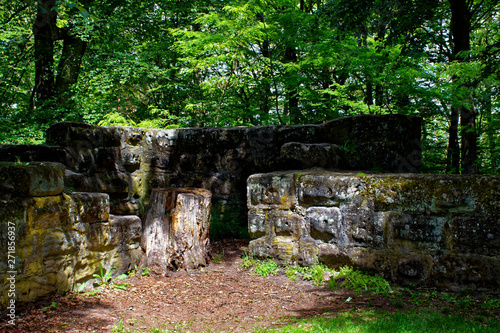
column 173, row 63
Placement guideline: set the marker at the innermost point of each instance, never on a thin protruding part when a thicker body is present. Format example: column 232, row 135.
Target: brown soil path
column 219, row 298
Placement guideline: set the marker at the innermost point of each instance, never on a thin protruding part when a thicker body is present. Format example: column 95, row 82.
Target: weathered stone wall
column 127, row 162
column 57, row 239
column 433, row 230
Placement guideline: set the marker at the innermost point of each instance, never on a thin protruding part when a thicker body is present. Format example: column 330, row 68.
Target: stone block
column 275, row 190
column 43, row 213
column 89, row 207
column 299, row 133
column 387, row 142
column 327, row 225
column 318, row 188
column 132, row 136
column 285, row 250
column 108, row 182
column 475, row 234
column 332, row 256
column 296, row 155
column 69, row 134
column 131, row 159
column 128, row 229
column 258, row 223
column 107, row 159
column 288, row 223
column 36, row 153
column 308, row 251
column 363, row 227
column 36, row 180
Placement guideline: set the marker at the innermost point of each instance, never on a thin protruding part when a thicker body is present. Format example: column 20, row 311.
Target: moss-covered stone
column 62, row 240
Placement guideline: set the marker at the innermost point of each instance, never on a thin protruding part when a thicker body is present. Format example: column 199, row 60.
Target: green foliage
column 291, row 273
column 79, row 287
column 265, row 268
column 348, row 278
column 315, row 273
column 145, row 271
column 246, row 261
column 228, row 221
column 105, row 279
column 260, row 267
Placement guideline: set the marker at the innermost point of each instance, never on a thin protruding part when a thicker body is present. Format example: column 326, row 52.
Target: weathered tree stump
column 175, row 230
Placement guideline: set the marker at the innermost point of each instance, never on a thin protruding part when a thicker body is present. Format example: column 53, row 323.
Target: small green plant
column 317, row 274
column 145, row 271
column 120, row 328
column 246, row 261
column 358, row 281
column 52, row 305
column 92, row 292
column 133, row 273
column 291, row 273
column 19, row 162
column 265, row 268
column 157, row 330
column 218, row 257
column 104, row 278
column 79, row 287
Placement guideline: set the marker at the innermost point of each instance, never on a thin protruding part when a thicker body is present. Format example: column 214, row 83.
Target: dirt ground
column 222, row 297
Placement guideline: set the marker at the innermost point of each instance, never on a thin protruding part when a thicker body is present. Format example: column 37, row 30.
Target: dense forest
column 173, row 63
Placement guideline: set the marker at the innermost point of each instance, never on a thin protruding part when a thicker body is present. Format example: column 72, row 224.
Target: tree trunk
column 460, row 29
column 45, row 32
column 176, row 226
column 47, row 85
column 68, row 68
column 292, row 101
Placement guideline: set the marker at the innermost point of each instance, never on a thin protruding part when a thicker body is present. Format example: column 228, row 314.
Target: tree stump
column 175, row 230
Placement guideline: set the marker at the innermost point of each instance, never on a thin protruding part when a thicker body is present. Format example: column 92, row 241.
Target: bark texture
column 176, row 229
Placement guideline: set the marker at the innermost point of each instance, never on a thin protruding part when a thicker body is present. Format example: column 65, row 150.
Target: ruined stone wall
column 53, row 240
column 127, row 162
column 433, row 230
column 61, row 211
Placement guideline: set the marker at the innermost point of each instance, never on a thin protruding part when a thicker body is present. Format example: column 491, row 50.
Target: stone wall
column 433, row 230
column 54, row 239
column 127, row 162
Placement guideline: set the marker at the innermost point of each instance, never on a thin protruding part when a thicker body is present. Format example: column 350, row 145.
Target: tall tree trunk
column 45, row 32
column 460, row 30
column 453, row 154
column 68, row 68
column 47, row 85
